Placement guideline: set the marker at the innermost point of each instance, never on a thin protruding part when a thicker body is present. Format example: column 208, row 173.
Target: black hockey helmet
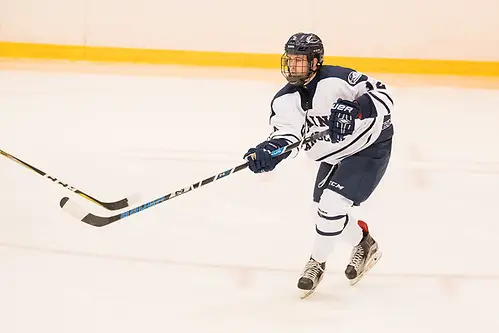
column 307, row 44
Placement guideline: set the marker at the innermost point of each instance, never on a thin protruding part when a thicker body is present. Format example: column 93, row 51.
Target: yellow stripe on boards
column 241, row 60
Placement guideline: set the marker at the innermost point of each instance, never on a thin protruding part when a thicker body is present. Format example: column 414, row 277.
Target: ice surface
column 225, row 258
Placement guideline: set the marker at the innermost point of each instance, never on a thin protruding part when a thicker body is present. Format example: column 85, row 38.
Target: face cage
column 301, row 75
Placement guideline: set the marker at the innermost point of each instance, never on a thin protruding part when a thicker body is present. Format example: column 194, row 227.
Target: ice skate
column 364, row 256
column 311, row 277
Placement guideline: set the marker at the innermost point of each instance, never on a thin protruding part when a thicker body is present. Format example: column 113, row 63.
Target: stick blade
column 123, row 203
column 117, row 205
column 77, row 212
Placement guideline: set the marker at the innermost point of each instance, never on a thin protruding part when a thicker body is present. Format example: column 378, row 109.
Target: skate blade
column 375, row 258
column 306, row 293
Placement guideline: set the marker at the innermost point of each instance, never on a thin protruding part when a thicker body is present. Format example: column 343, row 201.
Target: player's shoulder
column 349, row 75
column 285, row 90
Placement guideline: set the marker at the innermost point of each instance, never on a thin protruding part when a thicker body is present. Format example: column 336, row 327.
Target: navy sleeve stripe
column 380, row 100
column 350, row 144
column 387, row 96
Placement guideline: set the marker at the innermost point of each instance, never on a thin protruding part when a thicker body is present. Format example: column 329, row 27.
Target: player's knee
column 332, row 213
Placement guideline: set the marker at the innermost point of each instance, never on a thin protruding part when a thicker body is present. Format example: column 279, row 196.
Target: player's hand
column 342, row 119
column 260, row 158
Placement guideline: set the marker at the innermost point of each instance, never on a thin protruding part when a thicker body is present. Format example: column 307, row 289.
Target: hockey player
column 353, row 158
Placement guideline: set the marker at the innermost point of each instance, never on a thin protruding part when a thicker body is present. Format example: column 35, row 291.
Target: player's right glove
column 342, row 119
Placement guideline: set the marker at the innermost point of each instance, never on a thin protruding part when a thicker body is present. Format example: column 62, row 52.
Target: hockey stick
column 99, row 221
column 120, row 204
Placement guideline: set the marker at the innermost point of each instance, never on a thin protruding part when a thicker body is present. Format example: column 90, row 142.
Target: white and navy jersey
column 302, row 111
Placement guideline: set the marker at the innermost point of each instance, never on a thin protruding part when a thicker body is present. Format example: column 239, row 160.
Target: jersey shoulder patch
column 351, row 76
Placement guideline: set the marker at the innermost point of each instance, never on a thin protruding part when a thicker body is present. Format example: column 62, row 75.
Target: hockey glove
column 260, row 158
column 342, row 119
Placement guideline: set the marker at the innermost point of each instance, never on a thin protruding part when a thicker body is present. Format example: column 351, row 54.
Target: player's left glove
column 260, row 158
column 342, row 119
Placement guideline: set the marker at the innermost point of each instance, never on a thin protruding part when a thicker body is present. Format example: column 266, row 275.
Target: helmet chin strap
column 310, row 78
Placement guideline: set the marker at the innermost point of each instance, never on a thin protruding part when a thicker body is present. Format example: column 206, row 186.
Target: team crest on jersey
column 354, row 77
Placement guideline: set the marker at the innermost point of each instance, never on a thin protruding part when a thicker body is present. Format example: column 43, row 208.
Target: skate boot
column 311, row 277
column 364, row 256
